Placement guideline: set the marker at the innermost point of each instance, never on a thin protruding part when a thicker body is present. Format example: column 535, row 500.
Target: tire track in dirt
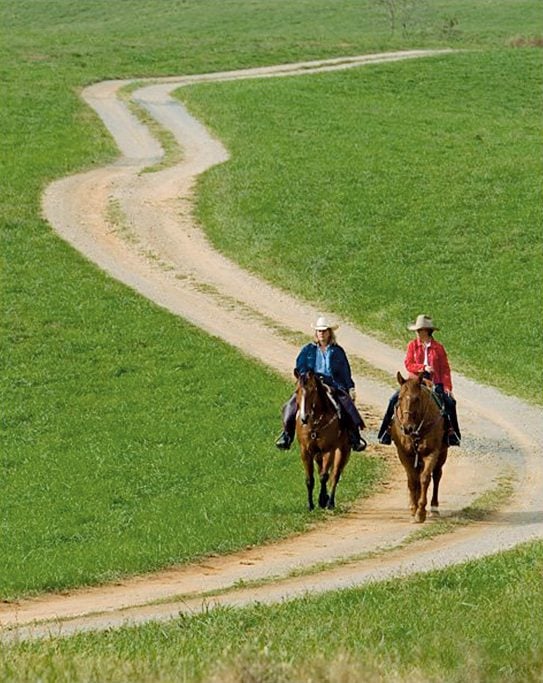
column 140, row 229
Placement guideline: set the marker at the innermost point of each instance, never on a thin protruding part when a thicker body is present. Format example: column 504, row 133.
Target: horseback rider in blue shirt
column 327, row 359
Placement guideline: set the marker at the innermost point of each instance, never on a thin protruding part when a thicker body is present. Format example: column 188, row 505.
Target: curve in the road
column 160, row 252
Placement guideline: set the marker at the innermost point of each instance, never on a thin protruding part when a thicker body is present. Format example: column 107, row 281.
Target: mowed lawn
column 131, row 440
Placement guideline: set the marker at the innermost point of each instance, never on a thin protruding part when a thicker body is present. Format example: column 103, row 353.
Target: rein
column 314, row 433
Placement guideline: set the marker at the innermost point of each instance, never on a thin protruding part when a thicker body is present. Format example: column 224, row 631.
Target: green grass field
column 477, row 622
column 113, row 434
column 118, row 419
column 392, row 189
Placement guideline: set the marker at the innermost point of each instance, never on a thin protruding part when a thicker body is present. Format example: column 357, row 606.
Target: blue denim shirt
column 340, row 370
column 322, row 362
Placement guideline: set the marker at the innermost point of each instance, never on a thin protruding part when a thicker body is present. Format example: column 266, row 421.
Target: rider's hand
column 352, row 394
column 428, row 368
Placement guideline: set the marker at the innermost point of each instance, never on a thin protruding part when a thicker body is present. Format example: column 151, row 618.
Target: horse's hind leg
column 332, row 496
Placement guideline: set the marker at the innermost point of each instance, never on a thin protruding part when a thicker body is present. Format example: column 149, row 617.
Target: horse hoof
column 330, row 506
column 323, row 502
column 434, row 512
column 420, row 517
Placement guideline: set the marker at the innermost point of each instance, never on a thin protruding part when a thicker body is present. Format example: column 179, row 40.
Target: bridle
column 309, row 416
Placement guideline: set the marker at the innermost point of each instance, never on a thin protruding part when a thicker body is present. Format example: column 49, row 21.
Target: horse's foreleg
column 425, row 477
column 309, row 479
column 436, row 478
column 413, row 488
column 340, row 458
column 412, row 478
column 434, row 503
column 323, row 474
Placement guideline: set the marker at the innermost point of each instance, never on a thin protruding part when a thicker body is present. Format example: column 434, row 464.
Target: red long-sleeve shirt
column 437, row 358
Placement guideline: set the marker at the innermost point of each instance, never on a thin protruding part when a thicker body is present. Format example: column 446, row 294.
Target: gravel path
column 154, row 245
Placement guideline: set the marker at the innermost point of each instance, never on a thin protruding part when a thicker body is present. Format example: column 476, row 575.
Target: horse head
column 410, row 407
column 309, row 392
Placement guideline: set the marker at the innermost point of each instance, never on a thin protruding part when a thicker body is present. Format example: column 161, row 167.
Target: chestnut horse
column 322, row 438
column 419, row 433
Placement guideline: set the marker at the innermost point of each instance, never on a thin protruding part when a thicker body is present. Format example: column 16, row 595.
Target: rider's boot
column 284, row 441
column 286, row 437
column 357, row 442
column 452, row 438
column 383, row 435
column 385, row 438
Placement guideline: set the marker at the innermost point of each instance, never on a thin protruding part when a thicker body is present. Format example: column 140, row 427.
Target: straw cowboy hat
column 324, row 324
column 423, row 322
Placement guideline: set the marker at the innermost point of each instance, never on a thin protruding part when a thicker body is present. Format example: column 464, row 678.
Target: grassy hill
column 108, row 401
column 391, row 189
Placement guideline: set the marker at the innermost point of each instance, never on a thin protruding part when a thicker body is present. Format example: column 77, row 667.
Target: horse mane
column 321, row 389
column 430, row 394
column 323, row 392
column 425, row 391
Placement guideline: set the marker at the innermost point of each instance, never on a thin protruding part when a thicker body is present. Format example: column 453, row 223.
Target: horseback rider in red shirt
column 425, row 354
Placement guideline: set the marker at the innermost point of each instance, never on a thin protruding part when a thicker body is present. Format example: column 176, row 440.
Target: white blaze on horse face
column 408, row 408
column 303, row 417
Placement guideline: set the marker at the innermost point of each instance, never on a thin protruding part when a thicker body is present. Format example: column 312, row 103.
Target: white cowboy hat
column 324, row 324
column 423, row 322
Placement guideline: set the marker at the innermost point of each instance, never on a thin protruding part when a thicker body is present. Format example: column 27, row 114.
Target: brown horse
column 419, row 432
column 322, row 438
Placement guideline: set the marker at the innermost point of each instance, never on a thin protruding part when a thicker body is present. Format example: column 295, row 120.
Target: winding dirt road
column 139, row 227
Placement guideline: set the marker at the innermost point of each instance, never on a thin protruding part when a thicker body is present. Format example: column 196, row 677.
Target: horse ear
column 310, row 373
column 420, row 377
column 400, row 379
column 296, row 373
